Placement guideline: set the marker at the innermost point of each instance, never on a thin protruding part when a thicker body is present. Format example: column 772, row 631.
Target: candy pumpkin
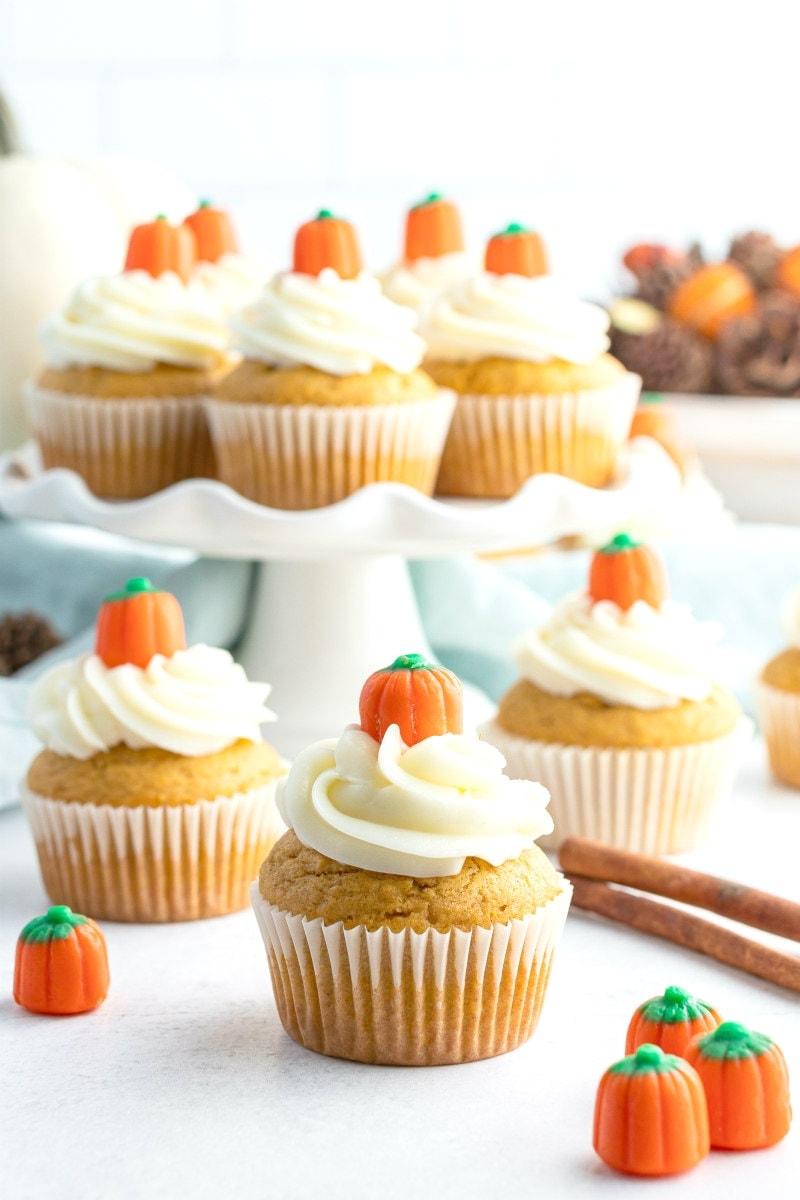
column 433, row 228
column 787, row 273
column 138, row 622
column 654, row 419
column 650, row 1115
column 670, row 1021
column 712, row 296
column 419, row 696
column 213, row 231
column 746, row 1084
column 327, row 241
column 157, row 247
column 626, row 571
column 516, row 251
column 645, row 256
column 61, row 964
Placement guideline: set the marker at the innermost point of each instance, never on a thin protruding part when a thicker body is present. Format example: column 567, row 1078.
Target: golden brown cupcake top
column 783, row 671
column 100, row 383
column 516, row 377
column 257, row 383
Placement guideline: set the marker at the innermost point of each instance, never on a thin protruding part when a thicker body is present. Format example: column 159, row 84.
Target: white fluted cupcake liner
column 495, row 443
column 412, row 999
column 654, row 801
column 779, row 718
column 307, row 456
column 122, row 448
column 162, row 863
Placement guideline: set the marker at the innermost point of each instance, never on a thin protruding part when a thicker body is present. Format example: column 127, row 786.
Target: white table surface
column 183, row 1084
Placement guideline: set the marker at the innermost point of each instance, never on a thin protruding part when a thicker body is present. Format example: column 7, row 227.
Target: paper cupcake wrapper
column 495, row 443
column 412, row 999
column 123, row 449
column 655, row 801
column 307, row 456
column 779, row 717
column 154, row 864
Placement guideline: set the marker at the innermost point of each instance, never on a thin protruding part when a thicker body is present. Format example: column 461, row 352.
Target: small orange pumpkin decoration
column 626, row 571
column 644, row 256
column 158, row 247
column 61, row 965
column 419, row 696
column 650, row 1116
column 787, row 273
column 516, row 251
column 433, row 228
column 327, row 241
column 712, row 296
column 655, row 420
column 670, row 1021
column 746, row 1083
column 213, row 231
column 138, row 622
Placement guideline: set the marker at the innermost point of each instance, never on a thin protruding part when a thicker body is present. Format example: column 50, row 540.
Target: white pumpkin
column 61, row 222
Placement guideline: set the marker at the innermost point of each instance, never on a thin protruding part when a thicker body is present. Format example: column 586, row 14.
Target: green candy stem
column 512, row 229
column 653, row 398
column 161, row 216
column 647, row 1059
column 411, row 662
column 431, row 198
column 57, row 923
column 674, row 1007
column 132, row 588
column 324, row 214
column 732, row 1040
column 205, row 204
column 623, row 541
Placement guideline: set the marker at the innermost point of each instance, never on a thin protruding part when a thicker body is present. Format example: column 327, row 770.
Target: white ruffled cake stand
column 333, row 599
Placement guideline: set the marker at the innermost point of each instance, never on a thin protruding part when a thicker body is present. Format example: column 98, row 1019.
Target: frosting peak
column 418, row 810
column 341, row 326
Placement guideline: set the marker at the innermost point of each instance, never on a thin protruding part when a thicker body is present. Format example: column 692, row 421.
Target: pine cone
column 758, row 255
column 671, row 359
column 24, row 637
column 759, row 355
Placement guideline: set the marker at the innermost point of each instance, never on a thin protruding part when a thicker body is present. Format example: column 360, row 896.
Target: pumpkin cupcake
column 154, row 797
column 329, row 397
column 617, row 711
column 434, row 255
column 130, row 361
column 232, row 278
column 777, row 697
column 409, row 917
column 536, row 389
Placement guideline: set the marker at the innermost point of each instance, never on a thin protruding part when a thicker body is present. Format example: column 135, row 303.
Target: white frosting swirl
column 418, row 810
column 647, row 658
column 417, row 284
column 197, row 701
column 235, row 280
column 791, row 618
column 341, row 326
column 131, row 322
column 512, row 316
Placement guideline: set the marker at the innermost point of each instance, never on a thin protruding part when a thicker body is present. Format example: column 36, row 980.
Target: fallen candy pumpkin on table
column 61, row 965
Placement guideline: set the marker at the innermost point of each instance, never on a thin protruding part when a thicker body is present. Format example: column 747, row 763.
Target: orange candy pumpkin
column 746, row 1084
column 787, row 273
column 516, row 251
column 327, row 241
column 419, row 696
column 138, row 622
column 650, row 1115
column 433, row 228
column 61, row 965
column 213, row 231
column 626, row 571
column 712, row 296
column 655, row 420
column 670, row 1021
column 158, row 247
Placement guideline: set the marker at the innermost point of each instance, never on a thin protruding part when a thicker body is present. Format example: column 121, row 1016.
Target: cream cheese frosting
column 132, row 322
column 644, row 657
column 341, row 326
column 410, row 810
column 513, row 316
column 791, row 618
column 235, row 280
column 197, row 701
column 417, row 284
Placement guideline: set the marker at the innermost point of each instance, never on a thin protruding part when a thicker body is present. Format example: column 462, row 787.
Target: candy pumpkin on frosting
column 422, row 698
column 516, row 250
column 61, row 965
column 625, row 571
column 157, row 247
column 213, row 231
column 138, row 622
column 433, row 228
column 327, row 241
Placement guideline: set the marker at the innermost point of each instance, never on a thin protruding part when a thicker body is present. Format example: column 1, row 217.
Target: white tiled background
column 596, row 121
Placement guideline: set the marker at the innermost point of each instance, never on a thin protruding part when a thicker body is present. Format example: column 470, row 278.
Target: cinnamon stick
column 596, row 860
column 684, row 929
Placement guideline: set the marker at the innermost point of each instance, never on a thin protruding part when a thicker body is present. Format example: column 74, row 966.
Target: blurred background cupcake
column 434, row 255
column 329, row 396
column 536, row 389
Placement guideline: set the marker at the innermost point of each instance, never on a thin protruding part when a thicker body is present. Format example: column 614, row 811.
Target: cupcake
column 617, row 712
column 536, row 389
column 329, row 396
column 129, row 363
column 232, row 278
column 434, row 257
column 153, row 799
column 408, row 916
column 778, row 701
